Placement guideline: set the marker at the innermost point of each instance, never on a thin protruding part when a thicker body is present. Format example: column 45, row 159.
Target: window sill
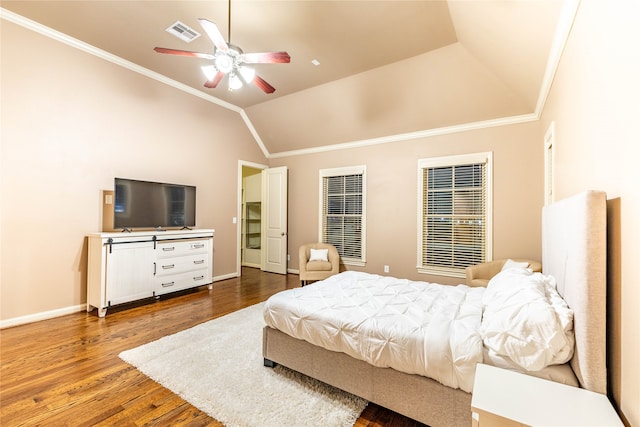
column 447, row 272
column 354, row 263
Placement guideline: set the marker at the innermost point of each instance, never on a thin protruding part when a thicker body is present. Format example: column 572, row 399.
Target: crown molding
column 86, row 47
column 563, row 30
column 562, row 34
column 255, row 134
column 565, row 24
column 412, row 135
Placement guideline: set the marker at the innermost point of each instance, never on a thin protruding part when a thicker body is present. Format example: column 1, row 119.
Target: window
column 342, row 215
column 454, row 213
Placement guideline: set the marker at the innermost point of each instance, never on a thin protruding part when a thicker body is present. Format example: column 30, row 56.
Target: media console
column 124, row 267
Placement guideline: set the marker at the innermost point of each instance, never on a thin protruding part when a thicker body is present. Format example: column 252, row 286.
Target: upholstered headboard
column 574, row 251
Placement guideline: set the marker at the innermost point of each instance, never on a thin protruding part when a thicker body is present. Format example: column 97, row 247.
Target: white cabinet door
column 129, row 271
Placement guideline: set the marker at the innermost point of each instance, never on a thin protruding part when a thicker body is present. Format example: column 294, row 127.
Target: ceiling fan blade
column 183, row 53
column 211, row 84
column 214, row 34
column 266, row 58
column 263, row 85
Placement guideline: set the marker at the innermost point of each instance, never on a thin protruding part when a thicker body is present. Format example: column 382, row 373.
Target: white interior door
column 274, row 214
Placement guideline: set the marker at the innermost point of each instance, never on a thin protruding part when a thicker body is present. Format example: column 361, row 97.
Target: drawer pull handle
column 198, row 261
column 198, row 278
column 168, row 266
column 166, row 285
column 198, row 246
column 170, row 248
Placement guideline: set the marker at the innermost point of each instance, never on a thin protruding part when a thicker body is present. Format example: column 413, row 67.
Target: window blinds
column 342, row 214
column 454, row 217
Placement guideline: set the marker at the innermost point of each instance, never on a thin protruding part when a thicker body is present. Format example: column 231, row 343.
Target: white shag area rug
column 217, row 366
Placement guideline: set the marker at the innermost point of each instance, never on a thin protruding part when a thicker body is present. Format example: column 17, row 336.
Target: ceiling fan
column 229, row 60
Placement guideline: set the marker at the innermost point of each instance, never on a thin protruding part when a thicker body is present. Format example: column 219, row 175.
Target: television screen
column 144, row 204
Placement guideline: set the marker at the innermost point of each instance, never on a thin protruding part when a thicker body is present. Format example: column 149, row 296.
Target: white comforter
column 414, row 327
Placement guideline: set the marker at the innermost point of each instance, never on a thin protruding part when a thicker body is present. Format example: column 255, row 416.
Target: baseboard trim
column 225, row 277
column 45, row 315
column 251, row 265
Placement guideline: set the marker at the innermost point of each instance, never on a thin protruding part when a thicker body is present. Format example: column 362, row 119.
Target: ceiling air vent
column 183, row 32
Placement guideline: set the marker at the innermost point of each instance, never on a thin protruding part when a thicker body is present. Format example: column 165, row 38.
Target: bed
column 574, row 254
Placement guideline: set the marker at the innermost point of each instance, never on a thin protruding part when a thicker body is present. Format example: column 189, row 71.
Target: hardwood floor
column 66, row 371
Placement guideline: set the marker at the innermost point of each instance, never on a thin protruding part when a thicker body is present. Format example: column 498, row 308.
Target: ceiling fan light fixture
column 209, row 71
column 229, row 60
column 224, row 63
column 247, row 73
column 234, row 82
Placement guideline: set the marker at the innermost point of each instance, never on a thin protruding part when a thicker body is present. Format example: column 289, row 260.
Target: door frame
column 241, row 165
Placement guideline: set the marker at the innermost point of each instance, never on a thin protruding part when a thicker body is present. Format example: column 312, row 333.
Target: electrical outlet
column 288, row 257
column 234, row 220
column 386, row 268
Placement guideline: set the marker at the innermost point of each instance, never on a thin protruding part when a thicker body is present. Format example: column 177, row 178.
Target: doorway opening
column 262, row 210
column 251, row 224
column 250, row 214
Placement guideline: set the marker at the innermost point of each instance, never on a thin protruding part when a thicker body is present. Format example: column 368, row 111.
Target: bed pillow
column 514, row 264
column 319, row 255
column 525, row 319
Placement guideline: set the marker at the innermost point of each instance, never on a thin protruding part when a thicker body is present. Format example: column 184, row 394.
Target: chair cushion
column 318, row 266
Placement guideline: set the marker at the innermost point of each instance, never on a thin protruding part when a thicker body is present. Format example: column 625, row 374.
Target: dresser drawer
column 181, row 264
column 175, row 248
column 181, row 281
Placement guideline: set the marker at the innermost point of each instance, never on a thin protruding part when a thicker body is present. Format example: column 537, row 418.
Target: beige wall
column 594, row 104
column 392, row 188
column 71, row 122
column 347, row 110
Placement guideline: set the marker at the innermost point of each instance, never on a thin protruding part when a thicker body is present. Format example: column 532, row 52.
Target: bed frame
column 574, row 252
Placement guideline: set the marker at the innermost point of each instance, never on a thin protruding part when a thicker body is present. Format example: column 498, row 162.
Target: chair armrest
column 480, row 274
column 334, row 259
column 302, row 259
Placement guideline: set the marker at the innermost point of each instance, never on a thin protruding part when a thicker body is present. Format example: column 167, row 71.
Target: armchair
column 317, row 269
column 480, row 274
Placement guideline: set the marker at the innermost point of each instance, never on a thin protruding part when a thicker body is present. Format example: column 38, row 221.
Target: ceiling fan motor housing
column 225, row 62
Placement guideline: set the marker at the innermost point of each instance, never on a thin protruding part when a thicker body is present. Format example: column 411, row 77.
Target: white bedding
column 414, row 327
column 526, row 320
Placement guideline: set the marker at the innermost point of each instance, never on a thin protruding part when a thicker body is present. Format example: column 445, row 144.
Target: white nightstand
column 506, row 398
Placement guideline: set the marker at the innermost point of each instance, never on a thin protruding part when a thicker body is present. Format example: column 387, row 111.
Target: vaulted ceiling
column 385, row 67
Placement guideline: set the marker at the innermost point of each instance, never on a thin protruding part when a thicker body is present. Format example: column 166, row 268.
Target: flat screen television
column 144, row 204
